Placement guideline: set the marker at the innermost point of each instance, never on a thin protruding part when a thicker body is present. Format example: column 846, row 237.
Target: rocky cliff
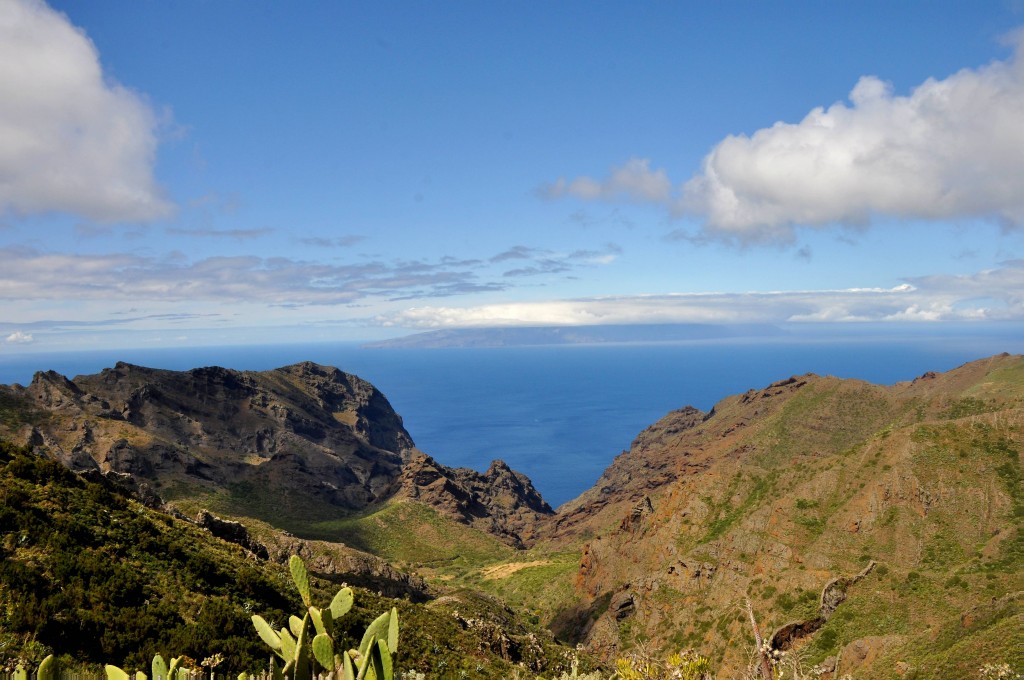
column 305, row 428
column 293, row 445
column 499, row 501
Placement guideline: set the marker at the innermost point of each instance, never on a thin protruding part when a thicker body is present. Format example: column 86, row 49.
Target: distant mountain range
column 524, row 336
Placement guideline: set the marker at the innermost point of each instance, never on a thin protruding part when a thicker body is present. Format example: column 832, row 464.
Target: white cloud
column 543, row 262
column 71, row 140
column 988, row 295
column 633, row 181
column 30, row 275
column 20, row 338
column 951, row 149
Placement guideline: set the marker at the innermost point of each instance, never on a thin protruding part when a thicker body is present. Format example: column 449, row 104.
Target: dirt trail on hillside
column 506, row 570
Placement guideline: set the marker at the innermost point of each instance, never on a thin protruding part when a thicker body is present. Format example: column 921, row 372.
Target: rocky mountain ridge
column 305, row 425
column 500, row 501
column 779, row 492
column 88, row 574
column 317, row 440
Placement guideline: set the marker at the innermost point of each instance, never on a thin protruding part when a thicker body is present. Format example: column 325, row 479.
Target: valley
column 908, row 496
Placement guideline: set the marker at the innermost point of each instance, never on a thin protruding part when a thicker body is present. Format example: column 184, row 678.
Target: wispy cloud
column 71, row 140
column 518, row 253
column 633, row 181
column 121, row 320
column 606, row 255
column 29, row 274
column 32, row 275
column 992, row 295
column 542, row 266
column 550, row 262
column 346, row 241
column 949, row 150
column 236, row 234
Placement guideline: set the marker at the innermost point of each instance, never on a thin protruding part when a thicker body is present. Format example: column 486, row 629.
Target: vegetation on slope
column 771, row 497
column 89, row 573
column 92, row 575
column 414, row 534
column 781, row 490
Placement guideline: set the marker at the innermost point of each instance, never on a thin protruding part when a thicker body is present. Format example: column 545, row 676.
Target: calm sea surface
column 558, row 414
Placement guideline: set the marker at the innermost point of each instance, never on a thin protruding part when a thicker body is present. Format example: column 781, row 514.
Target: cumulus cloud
column 71, row 140
column 633, row 181
column 20, row 338
column 950, row 149
column 991, row 295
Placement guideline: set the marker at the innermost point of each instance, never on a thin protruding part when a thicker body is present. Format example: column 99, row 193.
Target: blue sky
column 235, row 172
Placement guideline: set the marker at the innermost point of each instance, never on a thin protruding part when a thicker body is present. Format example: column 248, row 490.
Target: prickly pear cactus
column 310, row 643
column 159, row 668
column 48, row 669
column 115, row 673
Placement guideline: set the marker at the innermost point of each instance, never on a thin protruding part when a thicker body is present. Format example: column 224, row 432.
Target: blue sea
column 558, row 414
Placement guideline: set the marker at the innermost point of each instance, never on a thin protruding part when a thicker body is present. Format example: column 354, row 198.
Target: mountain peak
column 306, row 427
column 783, row 494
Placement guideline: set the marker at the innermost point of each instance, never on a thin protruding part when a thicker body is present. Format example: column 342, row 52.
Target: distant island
column 526, row 336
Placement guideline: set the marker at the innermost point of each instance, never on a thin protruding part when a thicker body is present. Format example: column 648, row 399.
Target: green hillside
column 779, row 491
column 96, row 577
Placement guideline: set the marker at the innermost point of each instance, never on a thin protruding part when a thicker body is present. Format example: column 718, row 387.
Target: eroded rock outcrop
column 232, row 532
column 500, row 501
column 832, row 595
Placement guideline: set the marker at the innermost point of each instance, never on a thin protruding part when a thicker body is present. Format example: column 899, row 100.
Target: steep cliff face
column 780, row 492
column 286, row 446
column 302, row 428
column 629, row 479
column 500, row 501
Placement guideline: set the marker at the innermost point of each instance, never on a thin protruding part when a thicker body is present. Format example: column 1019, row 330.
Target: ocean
column 558, row 414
